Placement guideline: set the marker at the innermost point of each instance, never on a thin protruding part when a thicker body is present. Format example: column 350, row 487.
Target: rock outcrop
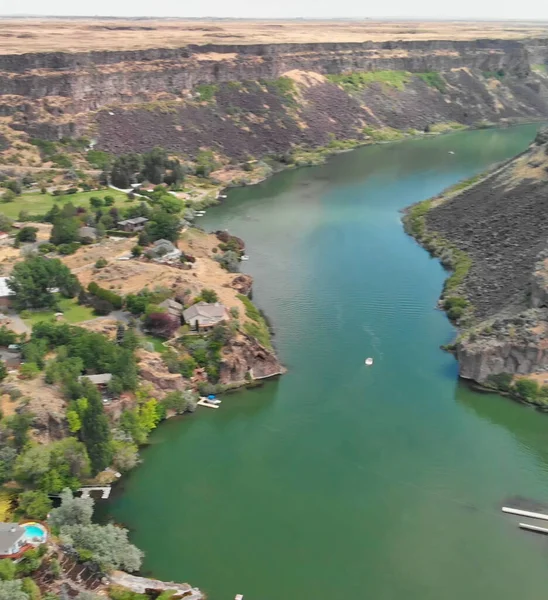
column 245, row 358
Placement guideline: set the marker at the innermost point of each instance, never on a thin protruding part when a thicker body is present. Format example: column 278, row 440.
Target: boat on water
column 244, row 257
column 368, row 361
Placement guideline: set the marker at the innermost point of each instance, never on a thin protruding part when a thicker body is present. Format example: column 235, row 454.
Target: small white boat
column 223, row 196
column 369, row 361
column 451, row 152
column 244, row 257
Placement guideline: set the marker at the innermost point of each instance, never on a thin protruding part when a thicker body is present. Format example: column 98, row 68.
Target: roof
column 9, row 534
column 5, row 290
column 87, row 232
column 97, row 379
column 205, row 311
column 171, row 306
column 134, row 221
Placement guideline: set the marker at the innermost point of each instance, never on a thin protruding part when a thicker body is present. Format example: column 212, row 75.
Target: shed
column 87, row 232
column 205, row 315
column 135, row 224
column 100, row 379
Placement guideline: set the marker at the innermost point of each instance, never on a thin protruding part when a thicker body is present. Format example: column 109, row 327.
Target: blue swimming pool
column 35, row 532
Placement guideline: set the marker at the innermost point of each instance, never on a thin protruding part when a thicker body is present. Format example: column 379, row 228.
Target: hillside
column 248, row 101
column 493, row 232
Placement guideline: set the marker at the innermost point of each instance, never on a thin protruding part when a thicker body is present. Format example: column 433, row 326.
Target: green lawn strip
column 72, row 312
column 157, row 342
column 39, row 204
column 258, row 328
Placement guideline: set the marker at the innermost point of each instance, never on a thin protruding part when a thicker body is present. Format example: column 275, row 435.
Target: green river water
column 341, row 480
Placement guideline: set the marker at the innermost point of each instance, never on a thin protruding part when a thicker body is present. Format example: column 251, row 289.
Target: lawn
column 72, row 311
column 157, row 342
column 39, row 204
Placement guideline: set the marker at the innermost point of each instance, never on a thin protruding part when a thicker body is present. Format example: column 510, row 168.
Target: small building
column 172, row 307
column 87, row 233
column 164, row 250
column 5, row 292
column 100, row 380
column 204, row 316
column 13, row 538
column 136, row 224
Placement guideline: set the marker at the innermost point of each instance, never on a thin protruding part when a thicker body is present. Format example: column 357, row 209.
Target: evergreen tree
column 95, row 432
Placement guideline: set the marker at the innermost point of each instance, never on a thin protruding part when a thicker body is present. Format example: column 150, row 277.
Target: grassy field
column 39, row 204
column 72, row 35
column 157, row 342
column 72, row 311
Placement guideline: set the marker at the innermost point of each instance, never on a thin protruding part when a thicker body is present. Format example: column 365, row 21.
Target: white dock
column 204, row 402
column 534, row 528
column 524, row 513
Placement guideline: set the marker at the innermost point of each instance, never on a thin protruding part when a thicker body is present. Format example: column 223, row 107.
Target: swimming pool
column 35, row 532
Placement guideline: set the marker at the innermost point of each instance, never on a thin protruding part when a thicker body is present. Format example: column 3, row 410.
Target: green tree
column 95, row 433
column 26, row 234
column 96, row 202
column 33, row 464
column 126, row 455
column 65, row 230
column 72, row 511
column 154, row 165
column 19, row 425
column 7, row 569
column 3, row 370
column 108, row 545
column 527, row 389
column 12, row 590
column 209, row 296
column 35, row 504
column 31, row 588
column 33, row 279
column 163, row 225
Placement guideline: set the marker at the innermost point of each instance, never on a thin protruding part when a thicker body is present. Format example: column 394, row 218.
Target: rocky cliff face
column 245, row 357
column 230, row 98
column 501, row 223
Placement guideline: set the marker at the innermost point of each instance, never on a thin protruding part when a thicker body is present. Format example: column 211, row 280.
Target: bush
column 162, row 324
column 66, row 249
column 35, row 504
column 136, row 251
column 101, row 263
column 114, row 299
column 96, row 202
column 8, row 196
column 109, row 200
column 209, row 296
column 501, row 382
column 29, row 370
column 527, row 389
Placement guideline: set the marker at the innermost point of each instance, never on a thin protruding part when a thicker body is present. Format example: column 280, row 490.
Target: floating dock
column 205, row 402
column 524, row 513
column 534, row 528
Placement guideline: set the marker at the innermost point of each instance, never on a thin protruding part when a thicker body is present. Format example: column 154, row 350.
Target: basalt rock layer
column 230, row 98
column 501, row 223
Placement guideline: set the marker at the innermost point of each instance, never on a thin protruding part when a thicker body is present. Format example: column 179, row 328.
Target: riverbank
column 488, row 231
column 366, row 440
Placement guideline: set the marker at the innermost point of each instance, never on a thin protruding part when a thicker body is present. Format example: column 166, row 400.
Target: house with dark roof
column 204, row 315
column 172, row 307
column 136, row 224
column 101, row 379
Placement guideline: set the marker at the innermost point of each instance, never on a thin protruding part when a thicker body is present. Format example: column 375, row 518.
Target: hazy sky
column 485, row 9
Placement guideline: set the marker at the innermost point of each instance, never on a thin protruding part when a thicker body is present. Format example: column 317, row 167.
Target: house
column 5, row 292
column 203, row 315
column 87, row 233
column 13, row 538
column 164, row 250
column 100, row 380
column 172, row 307
column 136, row 224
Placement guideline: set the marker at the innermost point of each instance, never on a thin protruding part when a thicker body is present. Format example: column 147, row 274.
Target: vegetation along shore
column 119, row 312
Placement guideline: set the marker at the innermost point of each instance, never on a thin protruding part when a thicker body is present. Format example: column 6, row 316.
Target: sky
column 463, row 9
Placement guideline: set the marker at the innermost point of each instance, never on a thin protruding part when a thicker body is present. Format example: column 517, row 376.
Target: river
column 341, row 480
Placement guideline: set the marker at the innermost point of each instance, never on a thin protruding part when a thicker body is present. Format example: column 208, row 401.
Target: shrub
column 162, row 324
column 66, row 249
column 8, row 196
column 527, row 389
column 35, row 504
column 101, row 263
column 501, row 381
column 209, row 296
column 96, row 202
column 136, row 251
column 29, row 370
